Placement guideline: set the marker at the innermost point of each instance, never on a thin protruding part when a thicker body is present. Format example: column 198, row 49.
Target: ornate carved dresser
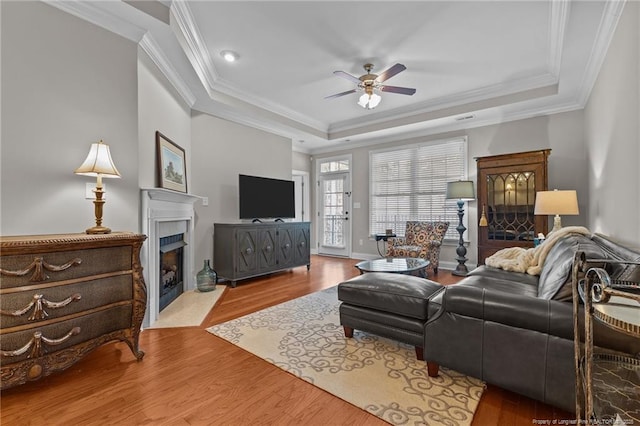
column 61, row 296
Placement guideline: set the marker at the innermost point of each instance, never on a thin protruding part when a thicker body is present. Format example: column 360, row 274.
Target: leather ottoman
column 388, row 305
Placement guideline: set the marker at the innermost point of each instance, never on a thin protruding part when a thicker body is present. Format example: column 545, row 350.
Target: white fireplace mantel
column 168, row 195
column 161, row 209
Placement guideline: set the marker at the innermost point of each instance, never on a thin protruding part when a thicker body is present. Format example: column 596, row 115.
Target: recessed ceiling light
column 229, row 55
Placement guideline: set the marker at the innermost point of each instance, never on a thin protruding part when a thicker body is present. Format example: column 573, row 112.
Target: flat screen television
column 264, row 198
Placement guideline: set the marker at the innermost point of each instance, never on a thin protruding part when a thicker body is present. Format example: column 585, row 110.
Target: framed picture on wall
column 172, row 165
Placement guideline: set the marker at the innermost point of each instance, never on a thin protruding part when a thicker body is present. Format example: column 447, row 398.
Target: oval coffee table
column 398, row 265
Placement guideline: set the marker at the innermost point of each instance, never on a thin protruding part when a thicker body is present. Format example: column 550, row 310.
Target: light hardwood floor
column 190, row 377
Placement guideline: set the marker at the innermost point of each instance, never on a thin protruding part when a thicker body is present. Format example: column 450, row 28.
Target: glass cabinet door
column 510, row 204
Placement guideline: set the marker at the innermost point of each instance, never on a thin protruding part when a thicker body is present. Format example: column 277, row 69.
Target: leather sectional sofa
column 515, row 330
column 510, row 329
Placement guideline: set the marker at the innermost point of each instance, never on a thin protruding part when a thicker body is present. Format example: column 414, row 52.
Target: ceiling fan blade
column 400, row 90
column 337, row 95
column 385, row 75
column 347, row 76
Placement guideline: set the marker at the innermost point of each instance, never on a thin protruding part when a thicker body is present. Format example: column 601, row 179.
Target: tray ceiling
column 472, row 62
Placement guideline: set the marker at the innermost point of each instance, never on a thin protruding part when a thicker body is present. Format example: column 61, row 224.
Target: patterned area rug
column 304, row 337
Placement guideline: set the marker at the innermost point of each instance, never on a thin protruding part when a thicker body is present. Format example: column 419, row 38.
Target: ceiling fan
column 370, row 82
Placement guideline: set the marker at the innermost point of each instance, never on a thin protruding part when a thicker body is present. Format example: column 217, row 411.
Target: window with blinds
column 410, row 183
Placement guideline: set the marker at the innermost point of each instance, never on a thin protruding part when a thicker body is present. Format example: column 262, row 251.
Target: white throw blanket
column 531, row 260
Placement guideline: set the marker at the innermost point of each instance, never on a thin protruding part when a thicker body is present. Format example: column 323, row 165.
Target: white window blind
column 410, row 183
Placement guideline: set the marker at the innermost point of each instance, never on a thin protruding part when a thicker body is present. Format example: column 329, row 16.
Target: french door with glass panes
column 334, row 206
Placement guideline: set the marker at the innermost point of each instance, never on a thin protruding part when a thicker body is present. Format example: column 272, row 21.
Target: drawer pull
column 38, row 266
column 36, row 344
column 38, row 304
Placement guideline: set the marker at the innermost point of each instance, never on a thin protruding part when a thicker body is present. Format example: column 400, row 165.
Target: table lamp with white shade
column 556, row 203
column 99, row 164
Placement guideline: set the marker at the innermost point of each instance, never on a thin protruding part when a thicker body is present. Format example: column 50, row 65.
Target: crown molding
column 183, row 23
column 195, row 49
column 241, row 117
column 223, row 86
column 151, row 47
column 558, row 20
column 461, row 98
column 202, row 62
column 92, row 12
column 454, row 126
column 606, row 30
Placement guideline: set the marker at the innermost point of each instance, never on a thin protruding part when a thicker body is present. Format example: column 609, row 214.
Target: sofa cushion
column 501, row 274
column 555, row 277
column 507, row 286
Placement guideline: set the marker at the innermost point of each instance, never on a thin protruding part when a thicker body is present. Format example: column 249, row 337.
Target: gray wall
column 65, row 84
column 595, row 151
column 567, row 169
column 301, row 162
column 159, row 108
column 613, row 134
column 220, row 151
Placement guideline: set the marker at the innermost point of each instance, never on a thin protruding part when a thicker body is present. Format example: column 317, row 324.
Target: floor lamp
column 462, row 191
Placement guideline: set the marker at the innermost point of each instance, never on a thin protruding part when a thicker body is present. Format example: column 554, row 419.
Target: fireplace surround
column 165, row 213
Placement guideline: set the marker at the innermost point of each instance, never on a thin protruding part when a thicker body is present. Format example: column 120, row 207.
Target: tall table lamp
column 462, row 191
column 556, row 203
column 99, row 164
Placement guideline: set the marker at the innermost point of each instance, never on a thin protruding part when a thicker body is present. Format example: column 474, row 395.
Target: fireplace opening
column 171, row 269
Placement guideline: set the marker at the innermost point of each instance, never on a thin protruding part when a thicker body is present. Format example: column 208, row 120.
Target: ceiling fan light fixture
column 369, row 101
column 374, row 100
column 364, row 100
column 370, row 82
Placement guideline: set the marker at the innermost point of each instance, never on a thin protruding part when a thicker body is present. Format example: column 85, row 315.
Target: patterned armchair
column 422, row 239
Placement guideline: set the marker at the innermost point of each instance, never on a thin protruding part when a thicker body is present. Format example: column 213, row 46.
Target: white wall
column 612, row 130
column 65, row 84
column 221, row 150
column 160, row 108
column 595, row 151
column 563, row 133
column 301, row 161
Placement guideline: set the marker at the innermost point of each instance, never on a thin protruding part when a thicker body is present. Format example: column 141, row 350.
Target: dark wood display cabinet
column 245, row 250
column 507, row 186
